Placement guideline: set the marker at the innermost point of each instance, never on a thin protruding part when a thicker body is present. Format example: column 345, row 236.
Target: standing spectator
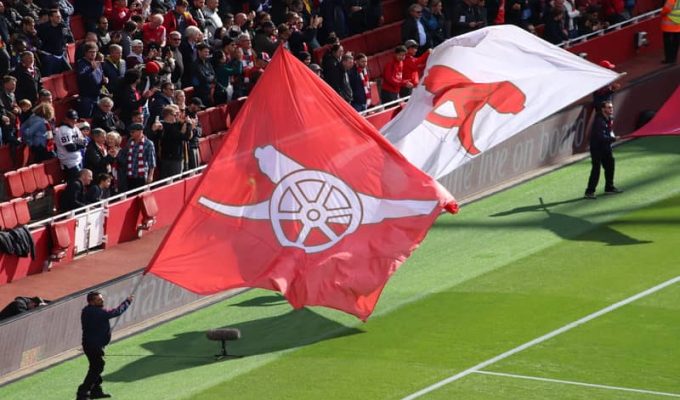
column 467, row 17
column 393, row 77
column 249, row 55
column 114, row 67
column 103, row 35
column 118, row 15
column 413, row 29
column 265, row 39
column 98, row 159
column 96, row 335
column 69, row 142
column 601, row 155
column 344, row 87
column 203, row 74
column 27, row 8
column 28, row 78
column 9, row 111
column 54, row 35
column 75, row 194
column 192, row 37
column 516, row 12
column 127, row 36
column 37, row 134
column 213, row 21
column 161, row 99
column 357, row 16
column 118, row 171
column 436, row 25
column 196, row 11
column 670, row 26
column 358, row 79
column 555, row 31
column 91, row 10
column 332, row 67
column 136, row 56
column 193, row 108
column 413, row 66
column 104, row 118
column 613, row 11
column 173, row 137
column 90, row 80
column 179, row 18
column 140, row 158
column 174, row 41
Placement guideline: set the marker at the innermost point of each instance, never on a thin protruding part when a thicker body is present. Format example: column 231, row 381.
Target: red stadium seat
column 28, row 180
column 6, row 163
column 14, row 184
column 149, row 209
column 77, row 27
column 61, row 240
column 2, row 223
column 71, row 53
column 355, row 44
column 21, row 210
column 218, row 119
column 204, row 121
column 393, row 10
column 42, row 181
column 9, row 216
column 55, row 175
column 23, row 155
column 386, row 37
column 375, row 94
column 71, row 79
column 57, row 190
column 57, row 84
column 204, row 150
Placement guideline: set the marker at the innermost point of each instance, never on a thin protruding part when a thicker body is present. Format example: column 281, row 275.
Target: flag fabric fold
column 665, row 121
column 481, row 88
column 304, row 197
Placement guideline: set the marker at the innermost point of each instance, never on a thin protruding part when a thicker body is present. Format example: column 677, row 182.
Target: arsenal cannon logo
column 311, row 209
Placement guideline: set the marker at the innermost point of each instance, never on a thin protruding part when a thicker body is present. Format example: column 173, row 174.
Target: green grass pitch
column 506, row 270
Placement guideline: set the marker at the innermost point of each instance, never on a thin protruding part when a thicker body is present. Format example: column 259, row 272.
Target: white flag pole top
column 492, row 83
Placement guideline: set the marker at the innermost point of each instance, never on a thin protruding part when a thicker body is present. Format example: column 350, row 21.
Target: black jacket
column 28, row 85
column 601, row 138
column 95, row 322
column 73, row 196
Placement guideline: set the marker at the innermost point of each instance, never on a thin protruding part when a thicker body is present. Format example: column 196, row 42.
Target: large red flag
column 304, row 197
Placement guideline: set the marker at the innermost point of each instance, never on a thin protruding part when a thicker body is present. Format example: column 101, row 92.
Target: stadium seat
column 218, row 119
column 6, row 163
column 375, row 94
column 57, row 84
column 71, row 53
column 149, row 209
column 42, row 181
column 9, row 216
column 55, row 175
column 204, row 150
column 28, row 180
column 77, row 27
column 393, row 10
column 204, row 121
column 14, row 185
column 21, row 211
column 374, row 69
column 61, row 240
column 355, row 44
column 23, row 155
column 57, row 190
column 384, row 38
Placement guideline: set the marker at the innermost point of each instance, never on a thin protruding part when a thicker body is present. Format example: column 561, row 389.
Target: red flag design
column 304, row 197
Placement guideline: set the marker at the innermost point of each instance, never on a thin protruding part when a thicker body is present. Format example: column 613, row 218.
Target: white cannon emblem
column 314, row 200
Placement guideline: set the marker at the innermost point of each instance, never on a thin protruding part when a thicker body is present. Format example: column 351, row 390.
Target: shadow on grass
column 263, row 301
column 192, row 349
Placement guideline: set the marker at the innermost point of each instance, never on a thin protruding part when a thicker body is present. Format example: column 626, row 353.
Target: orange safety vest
column 670, row 16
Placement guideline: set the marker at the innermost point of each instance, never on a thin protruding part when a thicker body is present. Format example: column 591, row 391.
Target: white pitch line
column 592, row 385
column 542, row 339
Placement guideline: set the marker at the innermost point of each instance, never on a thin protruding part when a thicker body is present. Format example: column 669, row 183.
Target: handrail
column 615, row 27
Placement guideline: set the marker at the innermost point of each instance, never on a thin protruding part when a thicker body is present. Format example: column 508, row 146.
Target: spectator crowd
column 132, row 122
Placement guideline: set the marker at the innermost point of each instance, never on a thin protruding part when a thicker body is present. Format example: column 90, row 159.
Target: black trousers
column 605, row 160
column 93, row 379
column 671, row 42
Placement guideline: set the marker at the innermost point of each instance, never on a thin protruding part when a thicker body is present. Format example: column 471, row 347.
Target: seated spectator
column 21, row 305
column 69, row 142
column 37, row 133
column 75, row 193
column 154, row 31
column 100, row 189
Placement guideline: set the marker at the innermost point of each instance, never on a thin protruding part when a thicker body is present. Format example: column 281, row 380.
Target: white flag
column 481, row 88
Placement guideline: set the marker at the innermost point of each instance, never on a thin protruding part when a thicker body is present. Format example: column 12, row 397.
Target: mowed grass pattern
column 507, row 269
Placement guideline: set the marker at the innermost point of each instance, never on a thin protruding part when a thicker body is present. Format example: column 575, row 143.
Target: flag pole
column 134, row 290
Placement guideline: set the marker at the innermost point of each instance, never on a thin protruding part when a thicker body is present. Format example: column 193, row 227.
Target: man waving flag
column 305, row 197
column 481, row 88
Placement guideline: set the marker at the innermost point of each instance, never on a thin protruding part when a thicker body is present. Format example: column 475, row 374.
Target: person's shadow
column 192, row 349
column 574, row 228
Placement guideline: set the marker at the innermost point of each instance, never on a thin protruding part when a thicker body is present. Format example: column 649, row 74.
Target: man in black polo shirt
column 96, row 335
column 54, row 35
